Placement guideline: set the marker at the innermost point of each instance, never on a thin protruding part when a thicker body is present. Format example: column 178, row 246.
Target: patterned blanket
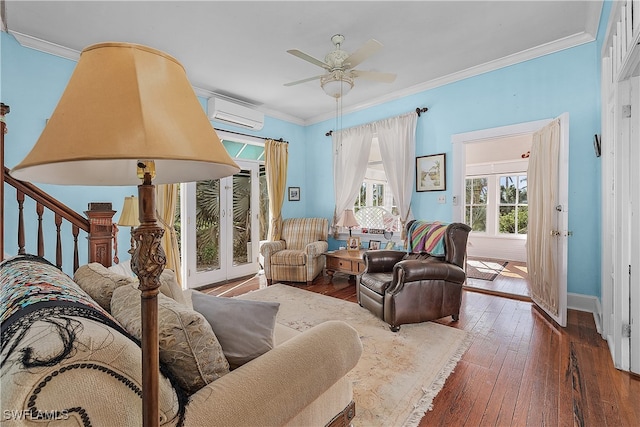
column 427, row 237
column 28, row 282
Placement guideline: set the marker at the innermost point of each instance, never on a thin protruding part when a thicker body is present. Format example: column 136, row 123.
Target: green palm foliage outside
column 207, row 224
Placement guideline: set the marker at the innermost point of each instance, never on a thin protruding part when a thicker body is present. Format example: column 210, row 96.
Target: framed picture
column 374, row 245
column 390, row 245
column 431, row 173
column 353, row 244
column 294, row 194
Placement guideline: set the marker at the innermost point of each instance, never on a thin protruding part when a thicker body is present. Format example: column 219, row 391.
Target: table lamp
column 130, row 217
column 348, row 220
column 129, row 114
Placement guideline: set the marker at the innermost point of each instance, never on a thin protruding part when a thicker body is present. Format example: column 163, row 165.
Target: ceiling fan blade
column 302, row 81
column 368, row 49
column 375, row 76
column 309, row 58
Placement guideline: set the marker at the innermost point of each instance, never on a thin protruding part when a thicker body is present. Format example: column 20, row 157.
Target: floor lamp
column 129, row 114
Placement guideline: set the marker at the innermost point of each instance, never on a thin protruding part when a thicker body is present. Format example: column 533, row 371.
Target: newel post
column 100, row 233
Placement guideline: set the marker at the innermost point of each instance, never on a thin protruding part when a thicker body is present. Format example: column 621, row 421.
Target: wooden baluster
column 20, row 198
column 58, row 220
column 76, row 261
column 40, row 211
column 4, row 109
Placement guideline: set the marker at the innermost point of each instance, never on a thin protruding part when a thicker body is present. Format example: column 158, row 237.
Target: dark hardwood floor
column 520, row 369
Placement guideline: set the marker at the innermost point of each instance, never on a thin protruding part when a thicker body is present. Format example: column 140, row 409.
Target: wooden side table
column 343, row 261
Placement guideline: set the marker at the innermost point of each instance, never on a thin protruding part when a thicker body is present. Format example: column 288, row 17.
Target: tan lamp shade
column 129, row 216
column 348, row 219
column 125, row 103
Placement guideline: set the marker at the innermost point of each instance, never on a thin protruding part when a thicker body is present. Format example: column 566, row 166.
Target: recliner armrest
column 416, row 270
column 381, row 261
column 269, row 248
column 314, row 249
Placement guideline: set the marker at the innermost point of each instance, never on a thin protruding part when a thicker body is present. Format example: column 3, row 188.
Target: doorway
column 495, row 206
column 487, row 163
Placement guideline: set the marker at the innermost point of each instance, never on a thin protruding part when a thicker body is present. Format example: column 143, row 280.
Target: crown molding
column 525, row 55
column 74, row 55
column 45, row 46
column 516, row 58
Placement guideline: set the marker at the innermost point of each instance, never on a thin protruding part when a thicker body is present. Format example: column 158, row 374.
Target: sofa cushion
column 188, row 346
column 244, row 328
column 289, row 257
column 99, row 282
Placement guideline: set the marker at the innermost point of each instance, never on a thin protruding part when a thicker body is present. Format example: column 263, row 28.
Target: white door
column 221, row 227
column 559, row 235
column 459, row 173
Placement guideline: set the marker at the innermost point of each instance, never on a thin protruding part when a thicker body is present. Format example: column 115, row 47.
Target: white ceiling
column 238, row 48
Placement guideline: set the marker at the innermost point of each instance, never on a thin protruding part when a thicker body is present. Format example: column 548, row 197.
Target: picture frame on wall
column 431, row 172
column 294, row 194
column 374, row 245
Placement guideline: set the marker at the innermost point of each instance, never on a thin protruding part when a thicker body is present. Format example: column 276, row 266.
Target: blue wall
column 567, row 81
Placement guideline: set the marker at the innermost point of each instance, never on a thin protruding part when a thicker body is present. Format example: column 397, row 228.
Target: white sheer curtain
column 397, row 139
column 542, row 182
column 351, row 148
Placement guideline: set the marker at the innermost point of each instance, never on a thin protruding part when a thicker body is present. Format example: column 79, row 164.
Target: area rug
column 484, row 269
column 399, row 374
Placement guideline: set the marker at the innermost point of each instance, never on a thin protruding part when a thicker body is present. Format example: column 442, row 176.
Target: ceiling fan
column 340, row 75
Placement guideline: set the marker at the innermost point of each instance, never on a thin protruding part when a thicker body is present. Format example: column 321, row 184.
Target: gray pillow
column 244, row 328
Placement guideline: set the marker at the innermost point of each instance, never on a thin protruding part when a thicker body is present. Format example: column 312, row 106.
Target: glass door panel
column 207, row 225
column 242, row 251
column 219, row 227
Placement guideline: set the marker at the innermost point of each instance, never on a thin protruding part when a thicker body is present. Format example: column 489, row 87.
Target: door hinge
column 626, row 330
column 626, row 111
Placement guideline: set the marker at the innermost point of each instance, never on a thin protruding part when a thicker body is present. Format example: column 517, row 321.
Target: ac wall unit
column 234, row 113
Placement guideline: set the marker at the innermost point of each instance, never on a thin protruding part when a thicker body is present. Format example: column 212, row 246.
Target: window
column 376, row 193
column 513, row 210
column 475, row 204
column 496, row 204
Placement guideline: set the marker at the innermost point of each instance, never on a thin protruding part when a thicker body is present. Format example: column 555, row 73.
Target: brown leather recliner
column 401, row 287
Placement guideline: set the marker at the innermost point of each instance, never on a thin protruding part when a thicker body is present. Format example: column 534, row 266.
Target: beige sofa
column 64, row 358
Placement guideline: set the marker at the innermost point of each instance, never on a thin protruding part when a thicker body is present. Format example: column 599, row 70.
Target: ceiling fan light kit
column 340, row 76
column 336, row 84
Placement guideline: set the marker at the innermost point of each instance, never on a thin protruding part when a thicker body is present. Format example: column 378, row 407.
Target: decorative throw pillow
column 123, row 268
column 188, row 346
column 99, row 282
column 243, row 327
column 170, row 287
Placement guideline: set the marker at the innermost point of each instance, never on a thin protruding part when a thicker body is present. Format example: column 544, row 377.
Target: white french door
column 220, row 227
